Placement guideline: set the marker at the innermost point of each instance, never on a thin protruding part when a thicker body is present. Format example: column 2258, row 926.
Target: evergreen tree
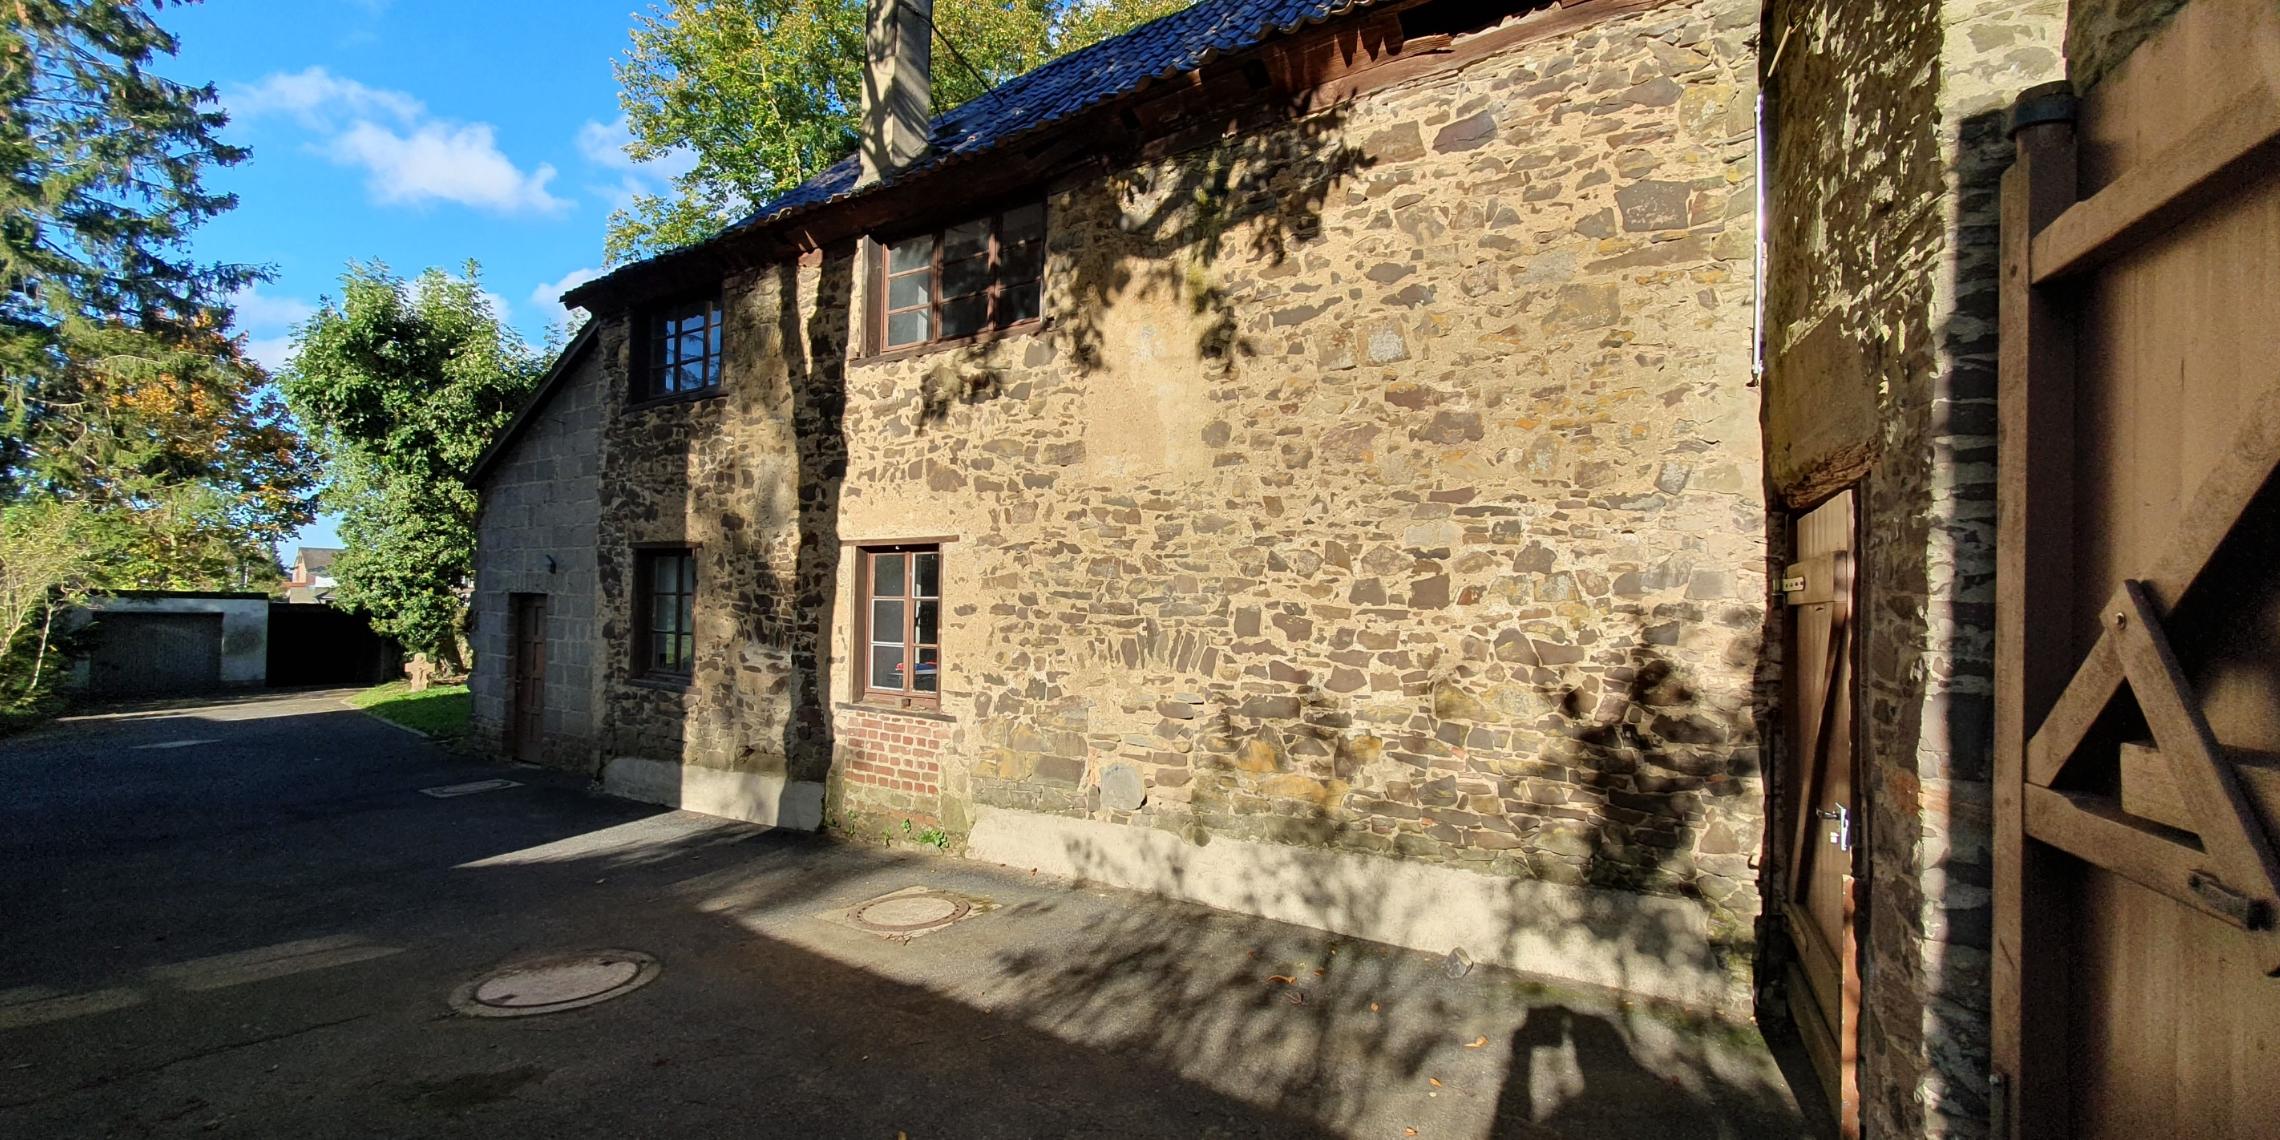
column 124, row 391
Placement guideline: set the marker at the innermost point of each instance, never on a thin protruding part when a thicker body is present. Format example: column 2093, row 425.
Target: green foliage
column 46, row 566
column 403, row 384
column 765, row 93
column 123, row 389
column 440, row 711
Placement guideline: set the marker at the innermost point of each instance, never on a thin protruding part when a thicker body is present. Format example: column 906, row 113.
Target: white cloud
column 444, row 162
column 319, row 100
column 410, row 156
column 603, row 145
column 260, row 312
column 548, row 296
column 272, row 352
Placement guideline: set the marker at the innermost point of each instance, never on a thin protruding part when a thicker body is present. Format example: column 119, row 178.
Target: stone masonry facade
column 1887, row 146
column 1386, row 480
column 536, row 533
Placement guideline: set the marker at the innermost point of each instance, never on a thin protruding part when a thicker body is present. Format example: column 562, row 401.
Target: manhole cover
column 549, row 985
column 899, row 913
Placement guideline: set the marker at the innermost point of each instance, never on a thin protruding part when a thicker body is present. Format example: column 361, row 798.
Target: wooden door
column 2138, row 603
column 1820, row 819
column 527, row 684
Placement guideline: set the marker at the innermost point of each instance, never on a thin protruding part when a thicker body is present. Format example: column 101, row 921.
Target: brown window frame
column 645, row 628
column 907, row 643
column 651, row 365
column 993, row 322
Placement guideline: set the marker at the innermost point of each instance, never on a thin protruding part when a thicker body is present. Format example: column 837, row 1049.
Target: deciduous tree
column 761, row 94
column 403, row 384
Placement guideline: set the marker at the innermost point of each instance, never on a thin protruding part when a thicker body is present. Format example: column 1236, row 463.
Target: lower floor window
column 902, row 621
column 667, row 597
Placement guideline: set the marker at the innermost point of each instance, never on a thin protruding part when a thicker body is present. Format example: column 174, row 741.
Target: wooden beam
column 2214, row 157
column 2149, row 788
column 2034, row 556
column 2150, row 791
column 2229, row 829
column 2084, row 700
column 2091, row 828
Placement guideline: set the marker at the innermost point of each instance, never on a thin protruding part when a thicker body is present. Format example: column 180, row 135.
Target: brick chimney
column 898, row 85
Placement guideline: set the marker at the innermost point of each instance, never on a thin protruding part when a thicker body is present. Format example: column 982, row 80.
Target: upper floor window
column 683, row 350
column 969, row 278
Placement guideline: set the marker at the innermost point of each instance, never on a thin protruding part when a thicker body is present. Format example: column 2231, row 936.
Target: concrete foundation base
column 754, row 797
column 1655, row 947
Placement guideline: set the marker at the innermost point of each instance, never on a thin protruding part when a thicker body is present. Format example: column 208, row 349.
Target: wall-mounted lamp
column 550, row 564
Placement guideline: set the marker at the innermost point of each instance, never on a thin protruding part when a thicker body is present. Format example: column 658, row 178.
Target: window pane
column 1021, row 262
column 912, row 254
column 712, row 342
column 965, row 316
column 925, row 622
column 929, row 565
column 971, row 275
column 686, row 649
column 907, row 328
column 966, row 240
column 1023, row 222
column 688, row 573
column 887, row 576
column 886, row 666
column 910, row 289
column 1018, row 303
column 929, row 672
column 687, row 614
column 887, row 623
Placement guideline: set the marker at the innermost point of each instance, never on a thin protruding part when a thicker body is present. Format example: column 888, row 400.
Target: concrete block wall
column 537, row 534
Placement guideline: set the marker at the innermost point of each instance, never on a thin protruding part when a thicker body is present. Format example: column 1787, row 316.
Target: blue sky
column 414, row 132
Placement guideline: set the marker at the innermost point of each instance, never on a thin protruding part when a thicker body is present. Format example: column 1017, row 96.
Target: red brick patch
column 891, row 751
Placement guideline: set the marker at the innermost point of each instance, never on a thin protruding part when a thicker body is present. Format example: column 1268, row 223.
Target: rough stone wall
column 543, row 501
column 1888, row 146
column 2100, row 34
column 1388, row 481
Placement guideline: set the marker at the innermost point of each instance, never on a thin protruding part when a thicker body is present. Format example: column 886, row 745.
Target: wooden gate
column 2138, row 612
column 1819, row 811
column 527, row 682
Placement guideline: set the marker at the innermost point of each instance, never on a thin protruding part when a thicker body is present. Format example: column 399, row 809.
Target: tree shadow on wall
column 1162, row 229
column 1298, row 1020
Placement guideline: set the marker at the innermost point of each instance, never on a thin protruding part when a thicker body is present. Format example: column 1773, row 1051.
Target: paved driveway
column 247, row 919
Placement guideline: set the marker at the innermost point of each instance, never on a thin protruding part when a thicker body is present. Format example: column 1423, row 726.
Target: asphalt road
column 247, row 920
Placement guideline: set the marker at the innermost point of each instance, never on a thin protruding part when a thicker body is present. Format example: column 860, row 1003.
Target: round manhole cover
column 549, row 985
column 909, row 912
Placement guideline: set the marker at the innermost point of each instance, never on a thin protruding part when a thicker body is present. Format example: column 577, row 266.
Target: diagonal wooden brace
column 2227, row 823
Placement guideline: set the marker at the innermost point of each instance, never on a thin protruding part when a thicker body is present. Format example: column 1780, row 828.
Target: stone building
column 1311, row 458
column 1301, row 456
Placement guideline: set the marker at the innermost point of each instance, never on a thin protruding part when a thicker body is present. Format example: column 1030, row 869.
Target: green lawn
column 441, row 712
